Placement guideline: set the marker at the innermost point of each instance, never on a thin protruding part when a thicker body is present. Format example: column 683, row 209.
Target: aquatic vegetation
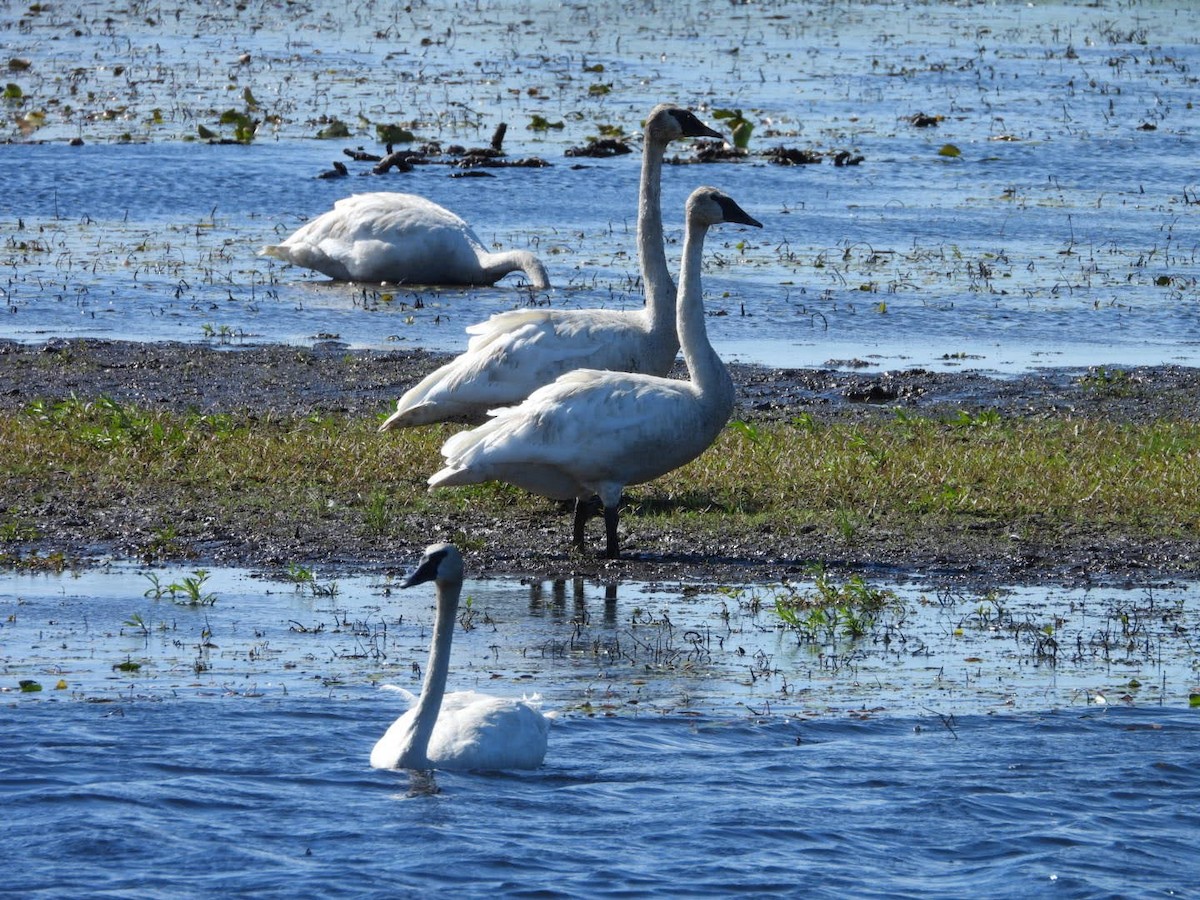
column 165, row 543
column 827, row 610
column 305, row 577
column 300, row 574
column 136, row 621
column 225, row 334
column 35, row 561
column 187, row 591
column 540, row 123
column 18, row 530
column 1110, row 382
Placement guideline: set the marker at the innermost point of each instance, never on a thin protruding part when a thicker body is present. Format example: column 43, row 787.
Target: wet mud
column 331, row 379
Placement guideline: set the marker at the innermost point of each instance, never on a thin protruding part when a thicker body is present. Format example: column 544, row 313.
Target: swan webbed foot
column 421, row 783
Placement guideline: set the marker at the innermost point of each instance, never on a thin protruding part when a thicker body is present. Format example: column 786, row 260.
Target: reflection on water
column 799, row 649
column 556, row 602
column 1010, row 742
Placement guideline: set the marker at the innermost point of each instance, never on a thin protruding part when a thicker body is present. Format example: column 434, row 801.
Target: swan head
column 442, row 563
column 709, row 206
column 667, row 123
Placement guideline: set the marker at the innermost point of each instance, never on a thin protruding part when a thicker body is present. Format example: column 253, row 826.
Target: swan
column 400, row 238
column 592, row 432
column 463, row 730
column 513, row 353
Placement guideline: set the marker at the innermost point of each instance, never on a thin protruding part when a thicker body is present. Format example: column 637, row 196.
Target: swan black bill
column 426, row 571
column 734, row 213
column 691, row 126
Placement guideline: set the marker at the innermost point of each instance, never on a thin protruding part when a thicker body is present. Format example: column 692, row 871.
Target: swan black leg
column 583, row 512
column 611, row 549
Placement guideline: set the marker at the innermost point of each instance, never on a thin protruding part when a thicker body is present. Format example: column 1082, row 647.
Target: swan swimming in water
column 463, row 730
column 402, row 239
column 593, row 432
column 513, row 353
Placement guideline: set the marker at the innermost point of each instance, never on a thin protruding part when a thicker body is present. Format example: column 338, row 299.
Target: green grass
column 1038, row 477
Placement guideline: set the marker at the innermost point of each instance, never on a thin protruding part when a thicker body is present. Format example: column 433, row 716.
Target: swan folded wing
column 403, row 219
column 587, row 428
column 573, row 331
column 422, row 257
column 535, row 353
column 395, row 742
column 475, row 731
column 506, row 372
column 325, row 257
column 405, row 694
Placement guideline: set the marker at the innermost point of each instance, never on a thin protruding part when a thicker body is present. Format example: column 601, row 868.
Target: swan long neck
column 652, row 254
column 496, row 265
column 429, row 704
column 705, row 368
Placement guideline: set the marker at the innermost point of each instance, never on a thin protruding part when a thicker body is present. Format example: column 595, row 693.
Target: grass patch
column 183, row 476
column 968, row 468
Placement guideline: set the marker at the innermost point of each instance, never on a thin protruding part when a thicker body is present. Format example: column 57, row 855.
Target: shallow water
column 699, row 747
column 1071, row 242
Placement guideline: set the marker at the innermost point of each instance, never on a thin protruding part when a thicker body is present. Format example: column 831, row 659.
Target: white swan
column 403, row 239
column 592, row 432
column 514, row 353
column 463, row 730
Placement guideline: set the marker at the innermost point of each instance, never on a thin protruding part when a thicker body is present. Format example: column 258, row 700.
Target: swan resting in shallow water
column 593, row 432
column 513, row 353
column 463, row 730
column 400, row 239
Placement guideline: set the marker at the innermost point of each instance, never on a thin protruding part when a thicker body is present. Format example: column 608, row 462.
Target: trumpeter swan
column 463, row 730
column 513, row 353
column 592, row 432
column 402, row 239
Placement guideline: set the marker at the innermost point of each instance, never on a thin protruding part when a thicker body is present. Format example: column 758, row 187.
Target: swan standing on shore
column 513, row 353
column 463, row 730
column 593, row 432
column 401, row 239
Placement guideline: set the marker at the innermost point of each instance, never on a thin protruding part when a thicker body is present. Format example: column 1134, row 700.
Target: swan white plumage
column 513, row 353
column 593, row 432
column 401, row 239
column 463, row 730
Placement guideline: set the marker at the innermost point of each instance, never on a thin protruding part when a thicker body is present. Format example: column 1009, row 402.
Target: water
column 1042, row 805
column 699, row 747
column 1026, row 742
column 1064, row 234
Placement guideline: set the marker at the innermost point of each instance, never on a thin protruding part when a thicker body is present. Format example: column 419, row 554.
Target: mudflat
column 331, row 380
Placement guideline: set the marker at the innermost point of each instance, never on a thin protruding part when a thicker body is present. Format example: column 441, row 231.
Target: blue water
column 273, row 798
column 699, row 749
column 1070, row 243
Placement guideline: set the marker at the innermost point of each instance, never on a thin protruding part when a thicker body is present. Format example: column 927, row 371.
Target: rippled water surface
column 1064, row 233
column 700, row 747
column 1024, row 742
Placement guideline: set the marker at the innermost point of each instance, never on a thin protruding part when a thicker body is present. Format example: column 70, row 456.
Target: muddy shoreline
column 331, row 379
